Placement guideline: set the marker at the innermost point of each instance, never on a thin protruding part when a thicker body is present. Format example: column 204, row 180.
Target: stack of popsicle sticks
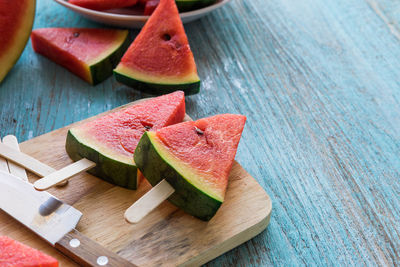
column 8, row 166
column 53, row 177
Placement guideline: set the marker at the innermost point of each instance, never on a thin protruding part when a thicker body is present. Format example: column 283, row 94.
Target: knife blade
column 54, row 221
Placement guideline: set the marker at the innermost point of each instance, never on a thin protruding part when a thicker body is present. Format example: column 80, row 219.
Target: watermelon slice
column 150, row 6
column 13, row 253
column 195, row 157
column 110, row 140
column 183, row 5
column 89, row 53
column 16, row 20
column 160, row 59
column 103, row 4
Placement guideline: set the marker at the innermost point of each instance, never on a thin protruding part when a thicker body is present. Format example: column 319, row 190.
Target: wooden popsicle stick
column 16, row 170
column 3, row 164
column 25, row 161
column 149, row 202
column 63, row 174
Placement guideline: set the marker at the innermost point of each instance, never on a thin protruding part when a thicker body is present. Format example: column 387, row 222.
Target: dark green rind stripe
column 110, row 170
column 156, row 88
column 188, row 5
column 186, row 196
column 104, row 68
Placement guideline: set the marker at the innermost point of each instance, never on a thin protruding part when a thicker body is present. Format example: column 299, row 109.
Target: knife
column 54, row 221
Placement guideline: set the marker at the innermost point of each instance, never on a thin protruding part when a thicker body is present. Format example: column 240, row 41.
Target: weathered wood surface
column 319, row 81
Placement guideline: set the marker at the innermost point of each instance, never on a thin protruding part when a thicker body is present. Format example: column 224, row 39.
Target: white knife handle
column 86, row 252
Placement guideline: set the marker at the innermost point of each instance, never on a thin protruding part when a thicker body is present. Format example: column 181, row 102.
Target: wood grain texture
column 167, row 236
column 319, row 83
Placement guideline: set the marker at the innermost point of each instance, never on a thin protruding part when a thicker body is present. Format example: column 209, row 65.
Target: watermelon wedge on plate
column 195, row 158
column 14, row 253
column 89, row 53
column 110, row 140
column 103, row 4
column 183, row 5
column 16, row 20
column 160, row 60
column 150, row 6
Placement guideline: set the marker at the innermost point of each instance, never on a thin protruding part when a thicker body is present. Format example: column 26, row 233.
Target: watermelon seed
column 198, row 131
column 177, row 45
column 76, row 34
column 166, row 37
column 146, row 125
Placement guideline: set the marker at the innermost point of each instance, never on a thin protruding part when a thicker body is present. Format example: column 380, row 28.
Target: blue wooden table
column 319, row 81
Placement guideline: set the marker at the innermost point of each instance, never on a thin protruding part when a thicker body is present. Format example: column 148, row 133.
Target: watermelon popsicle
column 110, row 140
column 104, row 146
column 189, row 164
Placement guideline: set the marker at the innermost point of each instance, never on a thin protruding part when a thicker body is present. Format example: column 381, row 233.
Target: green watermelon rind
column 157, row 88
column 108, row 169
column 103, row 68
column 188, row 5
column 186, row 196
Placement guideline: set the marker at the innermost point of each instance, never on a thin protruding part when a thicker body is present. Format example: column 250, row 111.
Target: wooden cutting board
column 167, row 236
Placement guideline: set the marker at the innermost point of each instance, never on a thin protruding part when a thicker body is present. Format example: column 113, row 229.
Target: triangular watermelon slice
column 89, row 53
column 195, row 157
column 110, row 140
column 14, row 253
column 160, row 59
column 103, row 4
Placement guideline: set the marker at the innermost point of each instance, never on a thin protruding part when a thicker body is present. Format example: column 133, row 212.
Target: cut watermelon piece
column 14, row 253
column 89, row 53
column 103, row 4
column 110, row 140
column 160, row 59
column 183, row 5
column 150, row 6
column 195, row 157
column 16, row 20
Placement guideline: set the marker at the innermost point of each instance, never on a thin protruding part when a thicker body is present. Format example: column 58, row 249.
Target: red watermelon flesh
column 103, row 4
column 203, row 151
column 13, row 253
column 150, row 6
column 117, row 134
column 16, row 19
column 80, row 50
column 160, row 54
